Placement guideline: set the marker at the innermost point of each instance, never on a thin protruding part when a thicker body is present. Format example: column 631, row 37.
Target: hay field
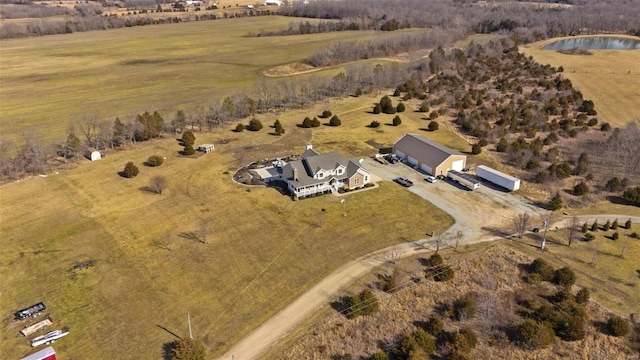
column 609, row 78
column 48, row 82
column 263, row 249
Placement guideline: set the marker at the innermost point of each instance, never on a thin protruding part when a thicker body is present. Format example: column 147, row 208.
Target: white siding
column 457, row 165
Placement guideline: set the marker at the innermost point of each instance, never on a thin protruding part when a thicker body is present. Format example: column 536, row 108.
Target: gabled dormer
column 340, row 170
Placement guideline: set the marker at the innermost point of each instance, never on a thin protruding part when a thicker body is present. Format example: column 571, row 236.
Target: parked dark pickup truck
column 404, row 181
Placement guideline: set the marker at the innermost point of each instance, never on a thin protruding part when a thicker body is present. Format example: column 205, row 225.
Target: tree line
column 89, row 18
column 529, row 23
column 34, row 156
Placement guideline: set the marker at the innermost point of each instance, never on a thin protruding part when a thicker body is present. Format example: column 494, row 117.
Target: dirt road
column 479, row 215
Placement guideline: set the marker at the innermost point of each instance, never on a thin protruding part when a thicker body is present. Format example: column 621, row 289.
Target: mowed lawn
column 48, row 82
column 609, row 78
column 263, row 249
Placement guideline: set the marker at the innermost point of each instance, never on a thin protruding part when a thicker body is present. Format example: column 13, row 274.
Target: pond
column 595, row 43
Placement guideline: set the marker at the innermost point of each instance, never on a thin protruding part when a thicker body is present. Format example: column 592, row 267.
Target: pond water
column 595, row 43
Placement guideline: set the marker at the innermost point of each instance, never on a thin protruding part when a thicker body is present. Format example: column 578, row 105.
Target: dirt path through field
column 479, row 216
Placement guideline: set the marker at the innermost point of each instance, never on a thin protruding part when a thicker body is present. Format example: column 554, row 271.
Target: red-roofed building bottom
column 44, row 354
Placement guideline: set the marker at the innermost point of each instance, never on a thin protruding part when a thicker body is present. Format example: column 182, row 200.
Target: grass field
column 48, row 82
column 264, row 249
column 613, row 281
column 608, row 77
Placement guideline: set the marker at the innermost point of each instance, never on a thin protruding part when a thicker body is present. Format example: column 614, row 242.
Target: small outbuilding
column 206, row 148
column 93, row 154
column 428, row 156
column 44, row 354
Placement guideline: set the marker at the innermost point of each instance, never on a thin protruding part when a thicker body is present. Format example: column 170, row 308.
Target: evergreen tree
column 400, row 108
column 255, row 125
column 307, row 123
column 335, row 121
column 476, row 149
column 397, row 121
column 188, row 150
column 594, row 226
column 154, row 160
column 580, row 189
column 118, row 132
column 387, row 105
column 130, row 170
column 240, row 127
column 556, row 202
column 189, row 349
column 433, row 126
column 188, row 138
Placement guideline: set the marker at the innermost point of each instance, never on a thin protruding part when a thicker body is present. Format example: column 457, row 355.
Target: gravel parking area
column 479, row 214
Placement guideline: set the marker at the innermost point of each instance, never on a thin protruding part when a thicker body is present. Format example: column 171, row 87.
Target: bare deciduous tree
column 624, row 248
column 572, row 229
column 158, row 184
column 519, row 224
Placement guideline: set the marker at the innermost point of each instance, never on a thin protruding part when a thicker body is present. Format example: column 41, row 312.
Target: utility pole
column 189, row 321
column 344, row 212
column 544, row 237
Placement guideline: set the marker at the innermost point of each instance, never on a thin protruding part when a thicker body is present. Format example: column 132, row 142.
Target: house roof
column 91, row 149
column 311, row 162
column 424, row 150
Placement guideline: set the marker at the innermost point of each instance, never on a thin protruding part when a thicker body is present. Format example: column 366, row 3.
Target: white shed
column 206, row 148
column 93, row 154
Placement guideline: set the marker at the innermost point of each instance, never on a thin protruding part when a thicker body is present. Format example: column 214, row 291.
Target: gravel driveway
column 479, row 214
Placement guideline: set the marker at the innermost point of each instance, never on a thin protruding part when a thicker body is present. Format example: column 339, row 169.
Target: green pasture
column 263, row 249
column 48, row 82
column 608, row 77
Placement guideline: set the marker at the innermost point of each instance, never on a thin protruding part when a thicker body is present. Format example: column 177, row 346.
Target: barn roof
column 424, row 150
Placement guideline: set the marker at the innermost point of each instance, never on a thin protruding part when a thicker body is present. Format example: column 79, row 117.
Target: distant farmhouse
column 316, row 173
column 428, row 156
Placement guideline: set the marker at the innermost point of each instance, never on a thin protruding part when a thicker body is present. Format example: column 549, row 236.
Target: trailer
column 463, row 179
column 48, row 338
column 497, row 177
column 31, row 311
column 40, row 325
column 44, row 354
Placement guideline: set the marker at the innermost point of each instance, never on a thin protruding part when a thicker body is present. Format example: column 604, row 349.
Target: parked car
column 404, row 181
column 431, row 179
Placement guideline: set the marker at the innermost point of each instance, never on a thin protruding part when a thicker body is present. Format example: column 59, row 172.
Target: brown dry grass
column 491, row 270
column 264, row 249
column 608, row 77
